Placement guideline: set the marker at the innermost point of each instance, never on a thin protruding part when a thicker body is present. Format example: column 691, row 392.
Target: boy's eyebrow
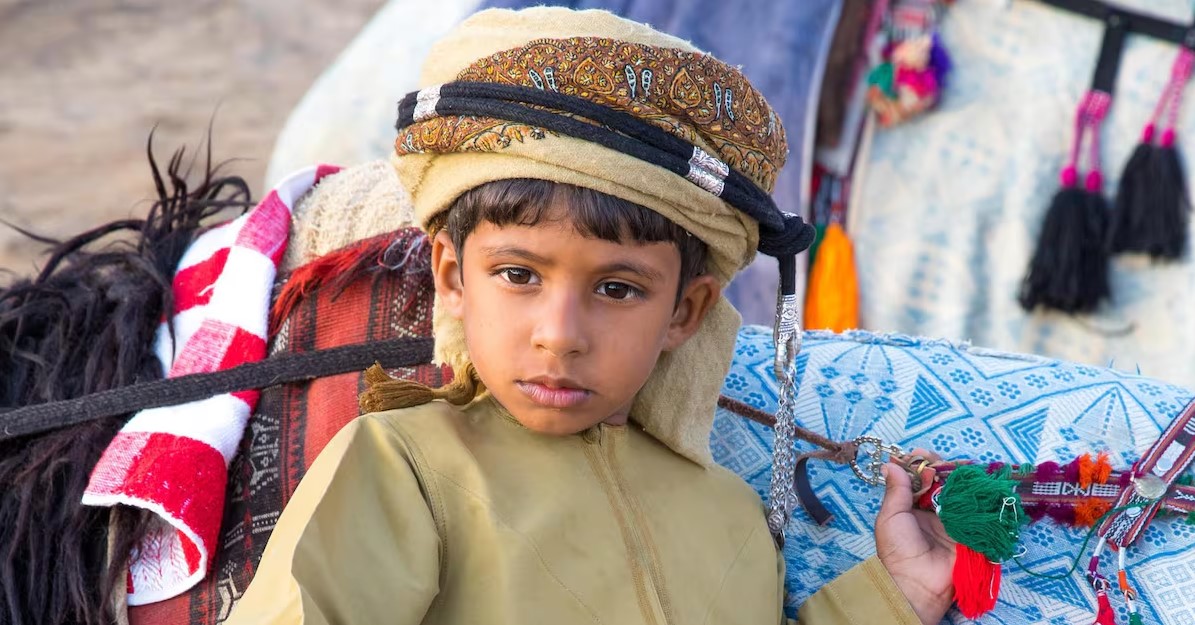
column 517, row 252
column 641, row 270
column 645, row 271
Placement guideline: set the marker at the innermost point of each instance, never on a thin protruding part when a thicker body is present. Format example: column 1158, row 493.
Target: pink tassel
column 1048, row 471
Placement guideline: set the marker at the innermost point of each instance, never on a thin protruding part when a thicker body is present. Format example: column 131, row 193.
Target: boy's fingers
column 898, row 491
column 925, row 453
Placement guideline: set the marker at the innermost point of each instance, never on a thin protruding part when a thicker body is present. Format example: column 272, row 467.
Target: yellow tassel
column 383, row 392
column 832, row 298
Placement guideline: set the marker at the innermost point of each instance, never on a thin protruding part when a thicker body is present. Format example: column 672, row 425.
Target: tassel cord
column 1098, row 103
column 1082, row 549
column 1180, row 74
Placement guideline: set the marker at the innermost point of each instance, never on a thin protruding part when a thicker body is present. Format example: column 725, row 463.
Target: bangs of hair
column 529, row 202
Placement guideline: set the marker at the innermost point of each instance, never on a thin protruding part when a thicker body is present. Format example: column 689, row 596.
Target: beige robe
column 442, row 515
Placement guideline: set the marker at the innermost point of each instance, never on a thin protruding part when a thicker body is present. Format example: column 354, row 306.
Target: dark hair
column 86, row 324
column 526, row 202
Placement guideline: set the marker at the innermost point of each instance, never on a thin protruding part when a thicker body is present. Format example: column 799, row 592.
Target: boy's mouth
column 553, row 392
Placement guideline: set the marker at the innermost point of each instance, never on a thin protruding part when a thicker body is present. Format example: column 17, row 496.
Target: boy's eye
column 517, row 275
column 618, row 290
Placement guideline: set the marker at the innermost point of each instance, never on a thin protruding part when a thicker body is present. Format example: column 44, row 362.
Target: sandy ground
column 82, row 82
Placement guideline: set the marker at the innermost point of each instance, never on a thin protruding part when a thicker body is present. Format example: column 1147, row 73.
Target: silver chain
column 787, row 341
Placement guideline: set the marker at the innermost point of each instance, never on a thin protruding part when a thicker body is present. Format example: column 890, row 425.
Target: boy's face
column 563, row 329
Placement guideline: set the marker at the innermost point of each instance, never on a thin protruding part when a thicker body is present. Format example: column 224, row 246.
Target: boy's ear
column 446, row 270
column 696, row 301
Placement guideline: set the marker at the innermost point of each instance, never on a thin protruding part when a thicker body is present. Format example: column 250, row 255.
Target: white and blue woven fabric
column 962, row 402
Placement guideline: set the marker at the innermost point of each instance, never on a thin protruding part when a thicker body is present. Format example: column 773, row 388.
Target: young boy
column 564, row 476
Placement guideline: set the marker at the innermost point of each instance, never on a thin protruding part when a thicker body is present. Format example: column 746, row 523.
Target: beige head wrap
column 627, row 66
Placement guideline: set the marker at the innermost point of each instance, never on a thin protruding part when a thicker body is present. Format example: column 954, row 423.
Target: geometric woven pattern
column 968, row 403
column 293, row 422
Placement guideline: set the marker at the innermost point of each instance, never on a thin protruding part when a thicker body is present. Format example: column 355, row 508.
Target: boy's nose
column 559, row 327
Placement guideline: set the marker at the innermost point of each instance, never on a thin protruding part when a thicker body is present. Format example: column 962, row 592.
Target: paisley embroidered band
column 691, row 95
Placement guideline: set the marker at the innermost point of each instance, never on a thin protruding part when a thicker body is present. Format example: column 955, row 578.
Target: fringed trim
column 338, row 269
column 384, row 392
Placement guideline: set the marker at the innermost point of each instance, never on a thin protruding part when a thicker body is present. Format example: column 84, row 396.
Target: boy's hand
column 914, row 547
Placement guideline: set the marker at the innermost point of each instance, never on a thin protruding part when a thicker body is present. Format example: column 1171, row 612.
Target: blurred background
column 82, row 83
column 926, row 138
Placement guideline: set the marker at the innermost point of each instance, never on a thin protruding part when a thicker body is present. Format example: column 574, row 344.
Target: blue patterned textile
column 963, row 402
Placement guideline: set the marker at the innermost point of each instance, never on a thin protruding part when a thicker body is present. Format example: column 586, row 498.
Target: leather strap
column 38, row 418
column 1164, row 462
column 830, row 451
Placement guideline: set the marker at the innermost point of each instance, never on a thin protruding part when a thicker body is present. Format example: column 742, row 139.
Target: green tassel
column 1135, row 619
column 819, row 233
column 982, row 511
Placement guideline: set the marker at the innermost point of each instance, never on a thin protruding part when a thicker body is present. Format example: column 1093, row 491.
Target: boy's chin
column 554, row 421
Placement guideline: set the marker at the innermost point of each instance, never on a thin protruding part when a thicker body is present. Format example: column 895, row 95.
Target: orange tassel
column 976, row 582
column 1089, row 511
column 832, row 299
column 1103, row 469
column 1094, row 471
column 1086, row 470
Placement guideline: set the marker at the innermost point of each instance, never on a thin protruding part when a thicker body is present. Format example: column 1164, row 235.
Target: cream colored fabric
column 356, row 203
column 864, row 595
column 678, row 402
column 439, row 515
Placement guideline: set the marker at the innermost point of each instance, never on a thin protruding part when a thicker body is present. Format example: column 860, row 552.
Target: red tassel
column 334, row 270
column 976, row 582
column 1105, row 615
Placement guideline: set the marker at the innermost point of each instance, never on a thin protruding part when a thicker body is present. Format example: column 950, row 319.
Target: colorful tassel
column 1086, row 469
column 1069, row 269
column 1093, row 470
column 1090, row 511
column 976, row 582
column 1048, row 471
column 1152, row 204
column 1061, row 514
column 1126, row 589
column 337, row 270
column 832, row 299
column 1104, row 615
column 1103, row 469
column 982, row 511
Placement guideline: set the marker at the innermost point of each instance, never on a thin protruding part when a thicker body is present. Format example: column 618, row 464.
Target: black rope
column 780, row 234
column 1108, row 65
column 746, row 197
column 1138, row 23
column 282, row 369
column 615, row 119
